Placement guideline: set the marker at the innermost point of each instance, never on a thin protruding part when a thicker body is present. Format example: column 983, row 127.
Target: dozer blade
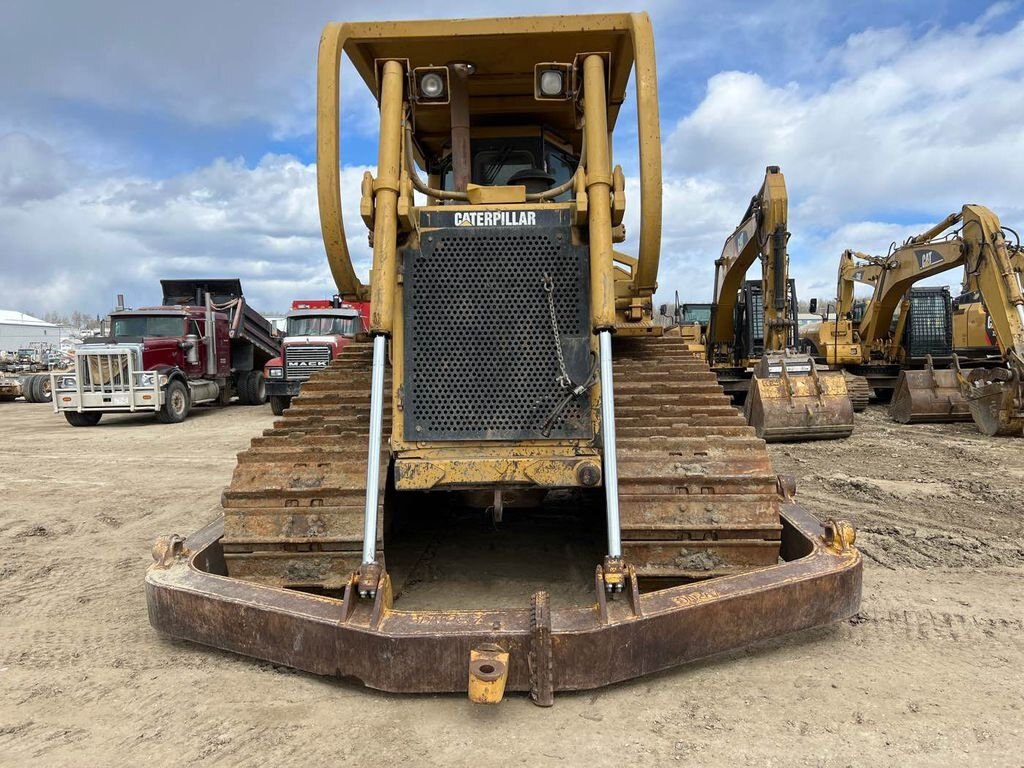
column 541, row 649
column 790, row 400
column 928, row 395
column 993, row 396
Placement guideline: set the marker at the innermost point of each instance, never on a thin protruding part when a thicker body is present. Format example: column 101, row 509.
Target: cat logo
column 858, row 275
column 928, row 258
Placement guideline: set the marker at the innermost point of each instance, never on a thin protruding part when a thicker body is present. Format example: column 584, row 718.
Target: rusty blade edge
column 414, row 652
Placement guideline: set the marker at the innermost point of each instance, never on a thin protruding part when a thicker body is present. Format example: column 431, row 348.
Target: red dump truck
column 317, row 331
column 203, row 344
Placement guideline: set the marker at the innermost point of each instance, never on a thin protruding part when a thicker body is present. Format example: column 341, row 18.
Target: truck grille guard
column 101, row 372
column 535, row 649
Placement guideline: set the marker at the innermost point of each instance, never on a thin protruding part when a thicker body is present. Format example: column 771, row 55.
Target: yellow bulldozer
column 786, row 395
column 515, row 406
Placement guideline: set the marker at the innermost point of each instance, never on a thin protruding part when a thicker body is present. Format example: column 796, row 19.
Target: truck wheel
column 176, row 404
column 88, row 419
column 255, row 387
column 28, row 389
column 278, row 404
column 43, row 391
column 242, row 387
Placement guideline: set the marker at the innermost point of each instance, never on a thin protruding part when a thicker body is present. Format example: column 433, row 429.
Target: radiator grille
column 480, row 355
column 302, row 361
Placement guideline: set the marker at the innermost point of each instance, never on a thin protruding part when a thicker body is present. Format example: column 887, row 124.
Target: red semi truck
column 317, row 331
column 204, row 344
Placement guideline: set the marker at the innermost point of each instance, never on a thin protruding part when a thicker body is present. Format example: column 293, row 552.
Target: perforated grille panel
column 929, row 329
column 480, row 355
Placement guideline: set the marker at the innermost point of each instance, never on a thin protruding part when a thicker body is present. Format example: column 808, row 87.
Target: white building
column 20, row 331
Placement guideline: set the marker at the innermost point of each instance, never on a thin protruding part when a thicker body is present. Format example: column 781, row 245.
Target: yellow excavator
column 919, row 332
column 972, row 238
column 854, row 267
column 787, row 396
column 690, row 322
column 518, row 435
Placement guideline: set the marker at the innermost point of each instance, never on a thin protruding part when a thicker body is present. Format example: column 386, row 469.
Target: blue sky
column 141, row 141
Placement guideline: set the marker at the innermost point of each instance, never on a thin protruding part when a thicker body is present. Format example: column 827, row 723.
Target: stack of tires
column 36, row 388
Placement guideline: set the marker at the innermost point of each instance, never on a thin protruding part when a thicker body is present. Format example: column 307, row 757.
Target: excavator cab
column 515, row 377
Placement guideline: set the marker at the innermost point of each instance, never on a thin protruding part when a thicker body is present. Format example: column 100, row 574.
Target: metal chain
column 564, row 380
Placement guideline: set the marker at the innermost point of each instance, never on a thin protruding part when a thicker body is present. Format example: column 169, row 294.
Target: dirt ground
column 930, row 673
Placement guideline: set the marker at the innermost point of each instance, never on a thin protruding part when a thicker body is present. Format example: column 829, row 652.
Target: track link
column 293, row 514
column 859, row 389
column 698, row 497
column 697, row 494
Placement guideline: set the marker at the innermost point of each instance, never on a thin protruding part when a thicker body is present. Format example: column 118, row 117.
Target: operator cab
column 539, row 162
column 156, row 326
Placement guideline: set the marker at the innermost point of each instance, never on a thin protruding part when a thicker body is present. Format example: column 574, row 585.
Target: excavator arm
column 855, row 267
column 761, row 234
column 980, row 247
column 993, row 396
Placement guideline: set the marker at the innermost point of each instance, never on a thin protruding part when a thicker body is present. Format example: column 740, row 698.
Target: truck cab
column 316, row 332
column 203, row 344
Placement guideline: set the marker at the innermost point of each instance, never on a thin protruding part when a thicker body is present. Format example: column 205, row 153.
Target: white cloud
column 915, row 128
column 915, row 125
column 80, row 247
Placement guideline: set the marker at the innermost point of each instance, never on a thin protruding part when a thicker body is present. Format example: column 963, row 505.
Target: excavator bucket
column 790, row 399
column 928, row 395
column 994, row 398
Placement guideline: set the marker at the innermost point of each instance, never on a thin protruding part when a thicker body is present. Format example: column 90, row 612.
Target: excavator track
column 698, row 497
column 697, row 494
column 293, row 514
column 859, row 389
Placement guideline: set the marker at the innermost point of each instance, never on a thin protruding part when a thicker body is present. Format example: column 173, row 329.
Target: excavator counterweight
column 517, row 435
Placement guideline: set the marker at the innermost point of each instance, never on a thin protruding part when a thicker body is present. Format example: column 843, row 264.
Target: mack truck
column 203, row 344
column 317, row 331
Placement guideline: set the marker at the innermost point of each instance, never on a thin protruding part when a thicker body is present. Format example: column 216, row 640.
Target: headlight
column 147, row 379
column 551, row 83
column 431, row 85
column 275, row 373
column 66, row 382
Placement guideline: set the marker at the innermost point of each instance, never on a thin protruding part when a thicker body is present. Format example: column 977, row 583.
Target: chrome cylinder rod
column 380, row 352
column 611, row 469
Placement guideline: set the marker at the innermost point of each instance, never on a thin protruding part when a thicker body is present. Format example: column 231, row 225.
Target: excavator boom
column 789, row 398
